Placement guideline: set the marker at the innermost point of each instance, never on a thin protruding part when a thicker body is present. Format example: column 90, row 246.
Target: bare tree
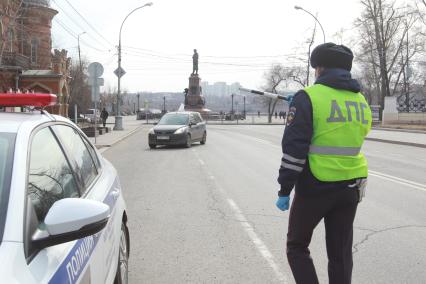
column 80, row 94
column 109, row 97
column 298, row 75
column 12, row 10
column 275, row 77
column 383, row 29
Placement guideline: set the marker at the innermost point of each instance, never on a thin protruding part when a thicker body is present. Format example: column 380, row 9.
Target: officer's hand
column 283, row 203
column 290, row 98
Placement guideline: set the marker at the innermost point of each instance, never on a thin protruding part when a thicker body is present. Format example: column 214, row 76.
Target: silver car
column 178, row 128
column 63, row 217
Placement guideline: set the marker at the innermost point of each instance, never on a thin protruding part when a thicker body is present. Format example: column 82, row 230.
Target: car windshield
column 7, row 144
column 174, row 119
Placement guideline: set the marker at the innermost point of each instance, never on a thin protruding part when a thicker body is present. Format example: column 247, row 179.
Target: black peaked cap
column 331, row 55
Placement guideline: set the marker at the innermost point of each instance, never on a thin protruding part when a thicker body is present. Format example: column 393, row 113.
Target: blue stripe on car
column 75, row 262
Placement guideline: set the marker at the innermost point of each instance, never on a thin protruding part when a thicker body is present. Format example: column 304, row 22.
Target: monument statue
column 195, row 62
column 194, row 100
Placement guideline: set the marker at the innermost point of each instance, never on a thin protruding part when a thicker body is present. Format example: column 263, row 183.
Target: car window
column 50, row 177
column 84, row 166
column 7, row 142
column 92, row 153
column 197, row 118
column 192, row 119
column 174, row 119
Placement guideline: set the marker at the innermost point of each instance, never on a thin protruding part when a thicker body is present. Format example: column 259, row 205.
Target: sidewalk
column 394, row 136
column 130, row 125
column 250, row 119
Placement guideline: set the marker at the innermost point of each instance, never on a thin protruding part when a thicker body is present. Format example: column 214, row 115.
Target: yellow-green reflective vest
column 341, row 120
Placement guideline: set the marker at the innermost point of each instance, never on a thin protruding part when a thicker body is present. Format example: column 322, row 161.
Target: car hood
column 168, row 127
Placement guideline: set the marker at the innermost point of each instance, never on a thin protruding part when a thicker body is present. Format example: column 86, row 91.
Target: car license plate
column 163, row 137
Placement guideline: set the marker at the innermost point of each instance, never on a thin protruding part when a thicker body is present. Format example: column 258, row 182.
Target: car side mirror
column 70, row 219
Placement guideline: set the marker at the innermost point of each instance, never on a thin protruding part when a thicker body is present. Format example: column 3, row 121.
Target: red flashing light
column 27, row 99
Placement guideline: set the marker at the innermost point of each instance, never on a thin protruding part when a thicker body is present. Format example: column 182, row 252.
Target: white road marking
column 260, row 245
column 398, row 180
column 394, row 179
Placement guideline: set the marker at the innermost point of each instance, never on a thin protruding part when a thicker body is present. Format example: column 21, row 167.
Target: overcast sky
column 237, row 39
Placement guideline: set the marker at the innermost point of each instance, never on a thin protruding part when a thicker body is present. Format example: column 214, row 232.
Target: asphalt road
column 207, row 214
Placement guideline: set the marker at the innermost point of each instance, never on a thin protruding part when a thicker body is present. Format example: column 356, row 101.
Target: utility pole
column 232, row 103
column 232, row 106
column 164, row 104
column 244, row 99
column 316, row 19
column 309, row 55
column 118, row 125
column 138, row 95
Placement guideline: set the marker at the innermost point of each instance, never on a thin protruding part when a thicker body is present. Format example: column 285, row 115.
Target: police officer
column 326, row 126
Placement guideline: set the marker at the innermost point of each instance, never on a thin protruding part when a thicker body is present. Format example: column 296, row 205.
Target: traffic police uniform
column 326, row 126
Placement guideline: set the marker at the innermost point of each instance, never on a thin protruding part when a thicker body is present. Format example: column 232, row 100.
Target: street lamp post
column 300, row 8
column 232, row 106
column 138, row 95
column 164, row 104
column 244, row 107
column 118, row 118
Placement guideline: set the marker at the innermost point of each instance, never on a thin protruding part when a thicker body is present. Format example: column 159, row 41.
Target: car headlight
column 151, row 131
column 180, row 130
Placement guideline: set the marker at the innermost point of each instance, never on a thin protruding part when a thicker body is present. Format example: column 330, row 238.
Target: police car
column 62, row 213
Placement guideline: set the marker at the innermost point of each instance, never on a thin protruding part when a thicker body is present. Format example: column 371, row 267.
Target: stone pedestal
column 194, row 100
column 390, row 113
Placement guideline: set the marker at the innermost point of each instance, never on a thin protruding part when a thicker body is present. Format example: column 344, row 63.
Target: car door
column 101, row 185
column 195, row 127
column 51, row 178
column 202, row 124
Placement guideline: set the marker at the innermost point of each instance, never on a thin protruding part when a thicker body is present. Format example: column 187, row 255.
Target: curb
column 418, row 145
column 105, row 147
column 399, row 130
column 246, row 124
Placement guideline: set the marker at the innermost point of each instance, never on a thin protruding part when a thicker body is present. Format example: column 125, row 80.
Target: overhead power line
column 70, row 32
column 74, row 35
column 219, row 56
column 77, row 24
column 90, row 25
column 137, row 54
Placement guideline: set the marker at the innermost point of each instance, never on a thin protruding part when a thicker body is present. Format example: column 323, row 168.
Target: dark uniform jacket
column 295, row 170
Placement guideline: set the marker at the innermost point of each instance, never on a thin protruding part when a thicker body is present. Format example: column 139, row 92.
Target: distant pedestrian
column 276, row 115
column 104, row 116
column 258, row 113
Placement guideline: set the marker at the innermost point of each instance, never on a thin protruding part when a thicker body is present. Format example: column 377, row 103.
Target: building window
column 10, row 36
column 34, row 49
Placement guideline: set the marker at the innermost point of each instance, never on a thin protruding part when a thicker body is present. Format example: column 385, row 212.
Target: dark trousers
column 338, row 210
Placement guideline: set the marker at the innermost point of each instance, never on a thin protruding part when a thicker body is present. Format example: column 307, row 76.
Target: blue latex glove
column 283, row 203
column 290, row 98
